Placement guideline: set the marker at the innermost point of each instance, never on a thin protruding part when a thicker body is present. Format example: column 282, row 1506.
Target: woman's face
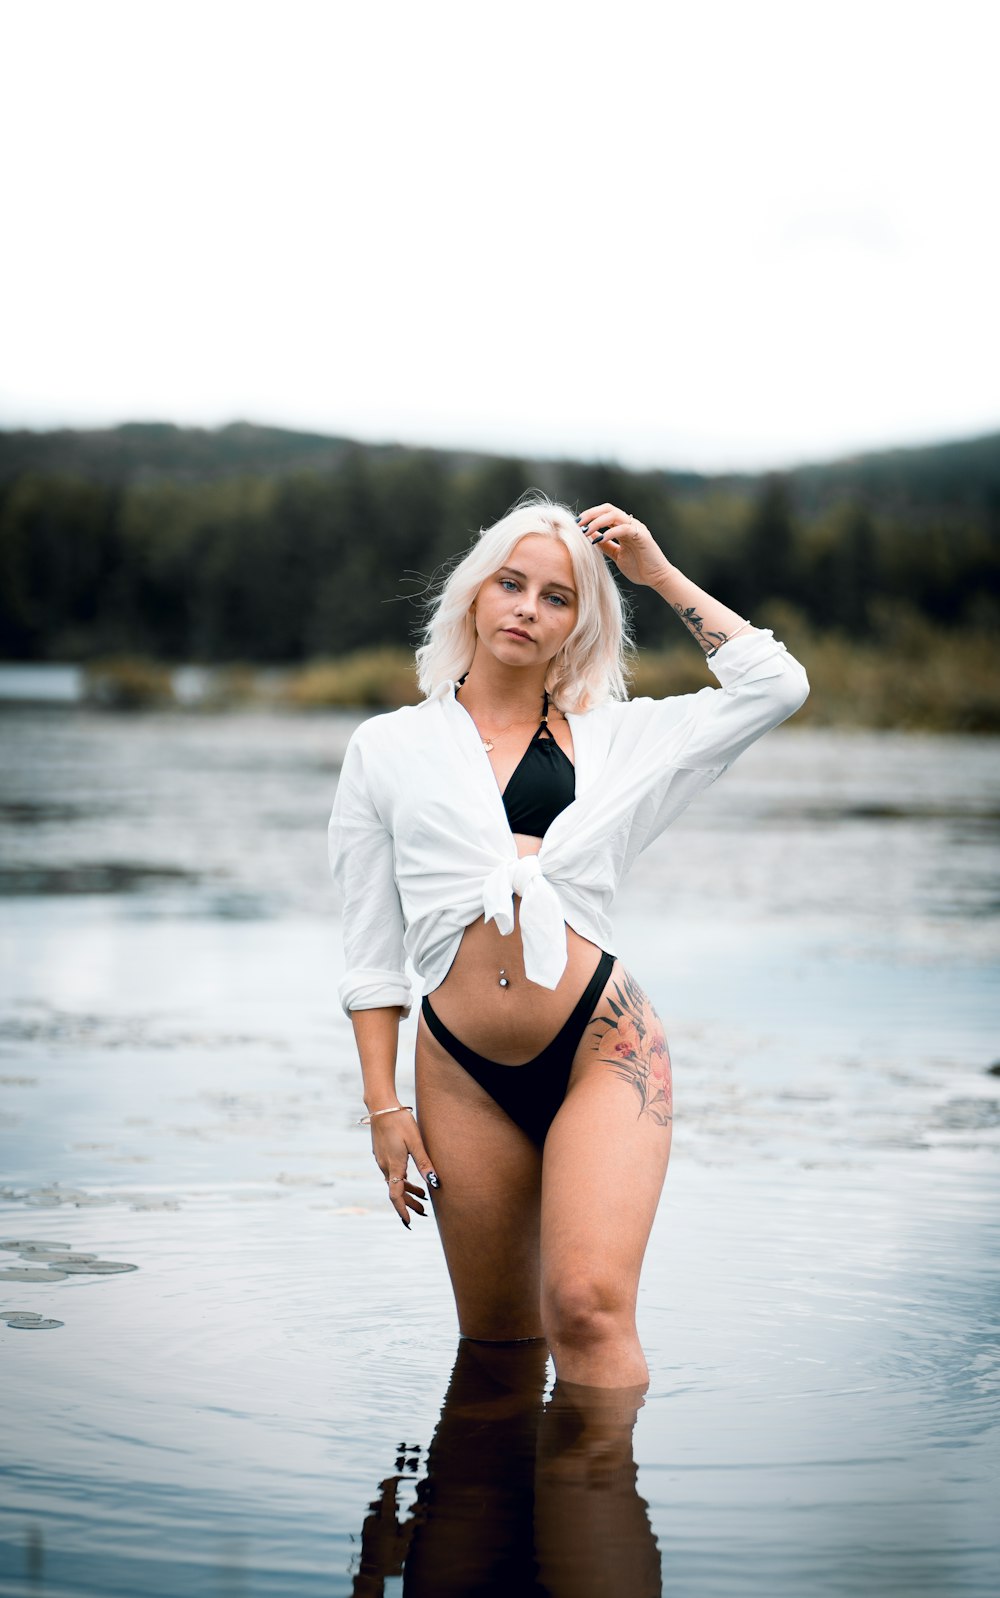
column 526, row 611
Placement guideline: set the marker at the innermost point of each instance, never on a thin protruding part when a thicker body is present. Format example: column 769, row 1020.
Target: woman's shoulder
column 386, row 727
column 626, row 712
column 379, row 752
column 622, row 729
column 382, row 740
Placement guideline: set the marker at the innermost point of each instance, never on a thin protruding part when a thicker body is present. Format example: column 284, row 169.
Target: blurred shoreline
column 925, row 679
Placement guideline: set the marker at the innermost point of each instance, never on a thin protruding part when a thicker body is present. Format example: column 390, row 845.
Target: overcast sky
column 708, row 233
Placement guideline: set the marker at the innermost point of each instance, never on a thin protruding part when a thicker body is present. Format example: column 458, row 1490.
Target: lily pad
column 24, row 1323
column 32, row 1273
column 96, row 1268
column 56, row 1256
column 20, row 1315
column 17, row 1244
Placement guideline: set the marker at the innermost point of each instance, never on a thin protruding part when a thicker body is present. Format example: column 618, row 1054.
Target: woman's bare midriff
column 511, row 1024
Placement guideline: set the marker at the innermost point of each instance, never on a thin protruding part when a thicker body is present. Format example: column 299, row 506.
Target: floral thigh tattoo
column 631, row 1041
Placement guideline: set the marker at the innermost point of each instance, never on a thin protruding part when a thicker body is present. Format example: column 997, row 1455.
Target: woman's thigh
column 606, row 1156
column 488, row 1205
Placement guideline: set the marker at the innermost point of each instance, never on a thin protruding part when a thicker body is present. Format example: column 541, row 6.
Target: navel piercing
column 503, row 977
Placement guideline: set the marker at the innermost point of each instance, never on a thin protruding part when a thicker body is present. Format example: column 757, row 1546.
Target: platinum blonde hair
column 592, row 665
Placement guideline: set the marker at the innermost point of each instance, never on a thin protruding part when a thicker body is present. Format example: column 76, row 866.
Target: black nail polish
column 432, row 1179
column 405, row 1222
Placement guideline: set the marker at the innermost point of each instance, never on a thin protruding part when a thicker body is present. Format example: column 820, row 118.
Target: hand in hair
column 627, row 542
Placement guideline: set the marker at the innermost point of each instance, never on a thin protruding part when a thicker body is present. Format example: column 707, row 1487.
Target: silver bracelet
column 729, row 636
column 366, row 1120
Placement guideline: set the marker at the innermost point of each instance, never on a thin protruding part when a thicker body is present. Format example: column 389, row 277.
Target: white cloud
column 719, row 234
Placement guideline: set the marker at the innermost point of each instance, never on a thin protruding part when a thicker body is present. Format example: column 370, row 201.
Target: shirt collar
column 443, row 690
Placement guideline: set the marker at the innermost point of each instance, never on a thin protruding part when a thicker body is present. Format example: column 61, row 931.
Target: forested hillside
column 262, row 545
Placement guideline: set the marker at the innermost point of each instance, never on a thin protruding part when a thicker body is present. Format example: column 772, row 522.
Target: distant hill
column 951, row 476
column 139, row 451
column 963, row 475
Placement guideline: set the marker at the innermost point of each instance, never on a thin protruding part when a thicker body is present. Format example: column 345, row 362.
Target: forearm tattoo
column 632, row 1042
column 695, row 625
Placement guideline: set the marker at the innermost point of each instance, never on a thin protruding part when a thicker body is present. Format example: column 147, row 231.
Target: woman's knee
column 581, row 1309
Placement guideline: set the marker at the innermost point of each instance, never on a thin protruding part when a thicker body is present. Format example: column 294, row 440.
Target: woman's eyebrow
column 515, row 573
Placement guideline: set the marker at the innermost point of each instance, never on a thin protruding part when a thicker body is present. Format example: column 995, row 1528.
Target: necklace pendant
column 487, row 744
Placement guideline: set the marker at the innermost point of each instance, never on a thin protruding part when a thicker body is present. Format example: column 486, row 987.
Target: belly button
column 503, row 978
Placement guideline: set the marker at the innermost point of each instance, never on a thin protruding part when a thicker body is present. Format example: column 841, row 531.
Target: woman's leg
column 487, row 1207
column 604, row 1164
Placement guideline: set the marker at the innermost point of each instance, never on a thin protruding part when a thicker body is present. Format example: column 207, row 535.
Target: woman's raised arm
column 634, row 550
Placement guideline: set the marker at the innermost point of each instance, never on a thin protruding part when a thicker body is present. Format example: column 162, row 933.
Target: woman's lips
column 514, row 632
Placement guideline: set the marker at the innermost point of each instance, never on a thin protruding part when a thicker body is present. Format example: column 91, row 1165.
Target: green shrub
column 376, row 679
column 127, row 682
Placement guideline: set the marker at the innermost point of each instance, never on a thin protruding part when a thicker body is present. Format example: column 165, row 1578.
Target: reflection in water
column 518, row 1495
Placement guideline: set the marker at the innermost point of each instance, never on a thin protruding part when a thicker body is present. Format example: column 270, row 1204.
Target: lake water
column 270, row 1403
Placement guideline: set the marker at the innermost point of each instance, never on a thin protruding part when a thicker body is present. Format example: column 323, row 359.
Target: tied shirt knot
column 543, row 926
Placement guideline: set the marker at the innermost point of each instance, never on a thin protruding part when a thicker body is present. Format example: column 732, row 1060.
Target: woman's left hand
column 629, row 543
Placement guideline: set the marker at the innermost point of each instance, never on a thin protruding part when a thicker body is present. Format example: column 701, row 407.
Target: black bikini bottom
column 532, row 1093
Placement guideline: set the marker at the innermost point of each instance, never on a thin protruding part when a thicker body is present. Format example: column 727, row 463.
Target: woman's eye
column 511, row 584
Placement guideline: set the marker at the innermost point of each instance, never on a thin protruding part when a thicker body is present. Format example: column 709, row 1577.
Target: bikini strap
column 543, row 732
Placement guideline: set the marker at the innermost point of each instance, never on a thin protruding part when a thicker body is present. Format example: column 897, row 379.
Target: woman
column 483, row 834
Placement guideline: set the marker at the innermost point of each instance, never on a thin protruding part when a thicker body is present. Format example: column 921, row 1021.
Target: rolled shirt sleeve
column 363, row 869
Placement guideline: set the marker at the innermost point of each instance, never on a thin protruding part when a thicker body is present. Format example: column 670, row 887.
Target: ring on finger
column 392, row 1180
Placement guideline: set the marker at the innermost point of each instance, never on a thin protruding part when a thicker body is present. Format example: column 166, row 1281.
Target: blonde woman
column 483, row 834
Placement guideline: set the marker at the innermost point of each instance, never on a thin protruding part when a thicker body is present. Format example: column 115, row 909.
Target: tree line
column 322, row 556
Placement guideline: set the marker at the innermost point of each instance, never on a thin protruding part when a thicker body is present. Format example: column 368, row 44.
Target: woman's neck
column 502, row 695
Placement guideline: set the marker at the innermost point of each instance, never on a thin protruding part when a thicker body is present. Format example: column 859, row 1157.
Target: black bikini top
column 542, row 785
column 543, row 782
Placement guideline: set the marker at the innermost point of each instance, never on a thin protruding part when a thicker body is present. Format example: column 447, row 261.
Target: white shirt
column 419, row 841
